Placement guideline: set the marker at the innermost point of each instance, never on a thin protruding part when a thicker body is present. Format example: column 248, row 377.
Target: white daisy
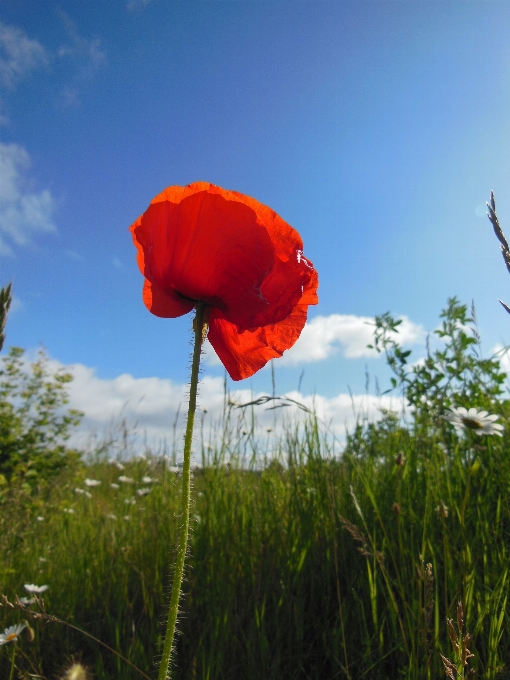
column 114, row 486
column 32, row 588
column 149, row 480
column 40, row 519
column 477, row 421
column 142, row 492
column 27, row 601
column 11, row 634
column 92, row 482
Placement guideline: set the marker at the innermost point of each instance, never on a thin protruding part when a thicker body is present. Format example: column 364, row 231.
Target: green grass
column 276, row 585
column 313, row 566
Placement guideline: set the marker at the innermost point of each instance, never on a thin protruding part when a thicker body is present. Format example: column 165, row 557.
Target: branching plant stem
column 199, row 323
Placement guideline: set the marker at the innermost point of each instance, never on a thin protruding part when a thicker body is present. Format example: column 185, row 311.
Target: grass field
column 310, row 565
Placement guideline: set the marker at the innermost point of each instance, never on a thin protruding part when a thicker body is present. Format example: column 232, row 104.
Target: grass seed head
column 76, row 672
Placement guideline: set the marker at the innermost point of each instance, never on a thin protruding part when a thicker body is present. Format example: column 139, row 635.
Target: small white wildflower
column 117, row 464
column 88, row 494
column 111, row 516
column 40, row 519
column 92, row 482
column 27, row 601
column 142, row 492
column 130, row 501
column 32, row 588
column 42, row 559
column 149, row 480
column 126, row 480
column 173, row 468
column 79, row 491
column 115, row 486
column 127, row 517
column 479, row 422
column 11, row 634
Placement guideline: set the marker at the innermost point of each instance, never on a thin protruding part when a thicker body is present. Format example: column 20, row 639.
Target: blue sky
column 377, row 129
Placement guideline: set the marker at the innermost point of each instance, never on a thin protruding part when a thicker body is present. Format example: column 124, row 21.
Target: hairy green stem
column 185, row 504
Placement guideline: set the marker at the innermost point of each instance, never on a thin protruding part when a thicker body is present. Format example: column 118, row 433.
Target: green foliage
column 455, row 374
column 33, row 422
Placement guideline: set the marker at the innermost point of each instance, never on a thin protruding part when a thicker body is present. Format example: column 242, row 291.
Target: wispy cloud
column 325, row 336
column 19, row 55
column 79, row 57
column 134, row 5
column 23, row 212
column 74, row 256
column 86, row 56
column 87, row 51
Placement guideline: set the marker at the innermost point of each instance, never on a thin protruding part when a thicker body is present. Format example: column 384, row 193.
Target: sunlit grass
column 277, row 586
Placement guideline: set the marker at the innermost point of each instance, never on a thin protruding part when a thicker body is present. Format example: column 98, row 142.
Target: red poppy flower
column 202, row 242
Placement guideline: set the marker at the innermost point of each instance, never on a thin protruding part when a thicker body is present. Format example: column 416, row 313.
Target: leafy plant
column 456, row 374
column 33, row 422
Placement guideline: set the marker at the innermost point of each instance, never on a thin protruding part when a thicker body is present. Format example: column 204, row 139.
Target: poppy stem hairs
column 200, row 326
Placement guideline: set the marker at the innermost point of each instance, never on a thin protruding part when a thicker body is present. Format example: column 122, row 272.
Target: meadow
column 304, row 561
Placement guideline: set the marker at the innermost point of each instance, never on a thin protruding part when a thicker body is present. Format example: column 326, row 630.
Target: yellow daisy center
column 472, row 424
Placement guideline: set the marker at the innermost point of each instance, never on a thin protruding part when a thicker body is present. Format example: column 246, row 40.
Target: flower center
column 472, row 424
column 10, row 637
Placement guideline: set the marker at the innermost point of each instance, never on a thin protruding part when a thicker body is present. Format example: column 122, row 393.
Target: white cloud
column 19, row 55
column 324, row 336
column 22, row 211
column 504, row 357
column 153, row 404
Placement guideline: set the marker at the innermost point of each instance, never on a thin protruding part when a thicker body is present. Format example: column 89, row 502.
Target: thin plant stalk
column 186, row 491
column 13, row 656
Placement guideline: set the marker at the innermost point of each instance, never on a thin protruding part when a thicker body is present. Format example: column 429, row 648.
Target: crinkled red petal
column 207, row 248
column 204, row 242
column 243, row 353
column 163, row 304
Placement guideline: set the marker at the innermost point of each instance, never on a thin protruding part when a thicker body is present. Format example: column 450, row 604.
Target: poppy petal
column 285, row 286
column 160, row 303
column 243, row 353
column 183, row 253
